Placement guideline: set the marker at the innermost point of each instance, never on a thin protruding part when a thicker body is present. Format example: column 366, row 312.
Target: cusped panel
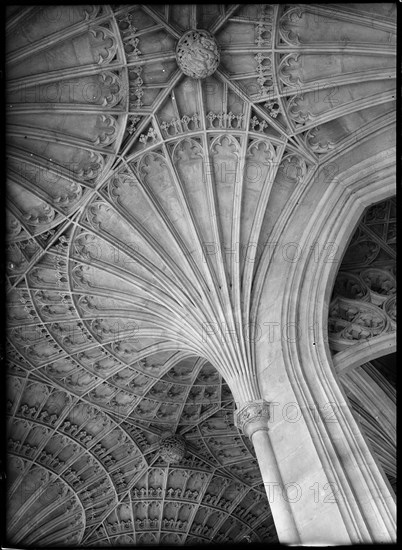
column 66, row 104
column 44, row 510
column 155, row 154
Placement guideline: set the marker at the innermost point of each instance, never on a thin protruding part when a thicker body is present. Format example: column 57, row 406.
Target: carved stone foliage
column 258, row 125
column 352, row 321
column 389, row 306
column 252, row 416
column 172, row 448
column 351, row 286
column 149, row 138
column 363, row 303
column 197, row 54
column 381, row 284
column 273, row 107
column 362, row 251
column 13, row 226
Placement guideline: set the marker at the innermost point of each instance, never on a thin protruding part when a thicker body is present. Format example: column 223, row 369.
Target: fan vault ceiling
column 141, row 203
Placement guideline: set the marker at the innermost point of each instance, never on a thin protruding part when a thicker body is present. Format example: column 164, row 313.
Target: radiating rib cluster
column 144, row 206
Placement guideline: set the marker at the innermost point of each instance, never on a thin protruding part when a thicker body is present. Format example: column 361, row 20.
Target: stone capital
column 252, row 416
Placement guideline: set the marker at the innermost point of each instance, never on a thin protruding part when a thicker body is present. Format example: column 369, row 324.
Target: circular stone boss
column 172, row 448
column 197, row 54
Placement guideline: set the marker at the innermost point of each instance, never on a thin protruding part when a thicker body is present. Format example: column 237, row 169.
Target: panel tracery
column 363, row 304
column 362, row 309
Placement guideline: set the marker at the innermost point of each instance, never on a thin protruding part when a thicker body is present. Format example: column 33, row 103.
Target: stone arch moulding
column 354, row 356
column 300, row 369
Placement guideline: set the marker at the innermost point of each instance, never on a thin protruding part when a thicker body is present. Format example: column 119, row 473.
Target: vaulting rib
column 147, row 240
column 163, row 191
column 218, row 281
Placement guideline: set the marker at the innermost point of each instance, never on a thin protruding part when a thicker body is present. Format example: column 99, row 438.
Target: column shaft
column 276, row 492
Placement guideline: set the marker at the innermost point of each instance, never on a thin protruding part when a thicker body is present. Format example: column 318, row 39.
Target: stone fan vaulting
column 155, row 156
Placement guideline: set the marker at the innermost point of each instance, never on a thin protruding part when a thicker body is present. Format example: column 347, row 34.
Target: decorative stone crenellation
column 180, row 125
column 224, row 120
column 263, row 29
column 136, row 91
column 264, row 71
column 129, row 36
